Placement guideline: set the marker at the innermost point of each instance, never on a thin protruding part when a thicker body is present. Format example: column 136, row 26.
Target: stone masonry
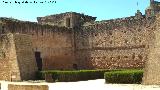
column 152, row 71
column 17, row 61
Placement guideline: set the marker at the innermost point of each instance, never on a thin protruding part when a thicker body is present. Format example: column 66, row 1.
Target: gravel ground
column 99, row 85
column 87, row 85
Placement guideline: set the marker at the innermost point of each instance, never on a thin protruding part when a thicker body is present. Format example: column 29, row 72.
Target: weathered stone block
column 27, row 87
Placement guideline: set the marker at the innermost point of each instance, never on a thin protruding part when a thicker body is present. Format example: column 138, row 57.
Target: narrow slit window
column 68, row 20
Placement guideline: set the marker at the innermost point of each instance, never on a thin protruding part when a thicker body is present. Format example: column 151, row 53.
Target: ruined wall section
column 16, row 58
column 55, row 44
column 8, row 59
column 55, row 20
column 112, row 44
column 25, row 56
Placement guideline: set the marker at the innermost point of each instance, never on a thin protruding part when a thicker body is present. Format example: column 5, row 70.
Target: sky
column 102, row 9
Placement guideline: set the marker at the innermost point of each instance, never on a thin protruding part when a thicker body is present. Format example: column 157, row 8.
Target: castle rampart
column 95, row 45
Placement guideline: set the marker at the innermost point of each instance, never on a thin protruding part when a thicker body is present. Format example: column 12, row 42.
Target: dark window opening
column 3, row 30
column 75, row 66
column 4, row 55
column 42, row 32
column 96, row 34
column 68, row 22
column 38, row 60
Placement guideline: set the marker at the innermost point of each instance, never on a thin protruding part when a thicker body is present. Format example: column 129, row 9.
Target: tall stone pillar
column 152, row 67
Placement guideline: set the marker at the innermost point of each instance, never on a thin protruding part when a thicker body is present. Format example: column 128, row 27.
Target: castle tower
column 151, row 1
column 153, row 9
column 138, row 15
column 68, row 19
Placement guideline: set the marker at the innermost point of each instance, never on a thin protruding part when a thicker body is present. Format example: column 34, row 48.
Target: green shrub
column 125, row 77
column 80, row 75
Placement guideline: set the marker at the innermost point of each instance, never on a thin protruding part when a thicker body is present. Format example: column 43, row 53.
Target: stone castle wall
column 55, row 44
column 120, row 43
column 110, row 44
column 72, row 40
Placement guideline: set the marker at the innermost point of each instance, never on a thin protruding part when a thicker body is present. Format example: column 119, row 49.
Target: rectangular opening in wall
column 3, row 30
column 68, row 22
column 38, row 60
column 75, row 66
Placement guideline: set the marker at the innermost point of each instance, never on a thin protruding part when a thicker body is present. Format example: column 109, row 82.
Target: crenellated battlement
column 119, row 22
